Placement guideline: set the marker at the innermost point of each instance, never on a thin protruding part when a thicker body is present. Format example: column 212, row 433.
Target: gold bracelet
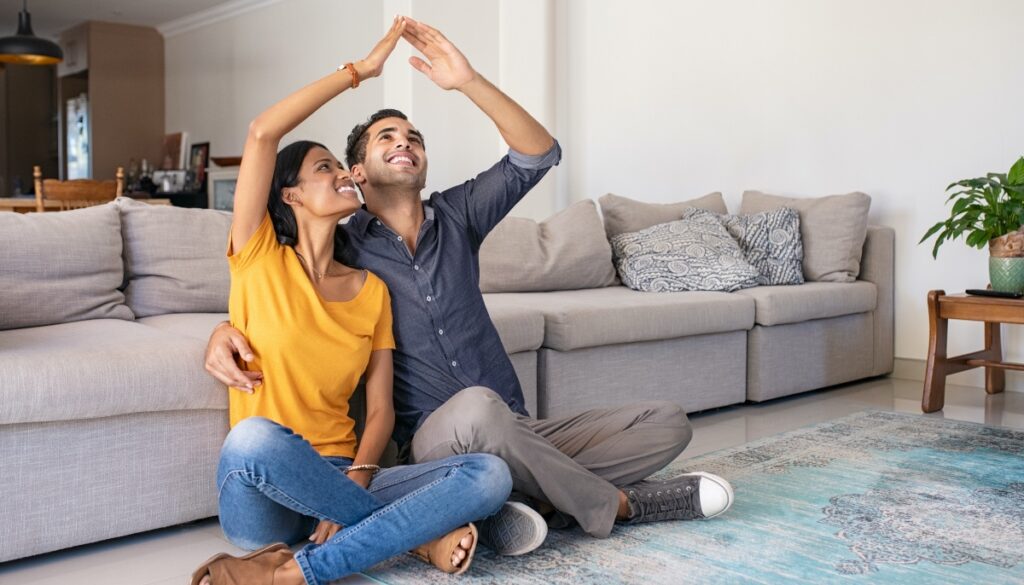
column 364, row 467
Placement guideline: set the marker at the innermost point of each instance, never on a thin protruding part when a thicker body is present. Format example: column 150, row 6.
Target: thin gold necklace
column 318, row 275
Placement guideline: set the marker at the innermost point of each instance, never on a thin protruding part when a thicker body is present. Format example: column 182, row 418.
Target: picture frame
column 220, row 189
column 199, row 162
column 175, row 145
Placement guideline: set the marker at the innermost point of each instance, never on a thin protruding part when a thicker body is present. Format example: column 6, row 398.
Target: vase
column 1006, row 274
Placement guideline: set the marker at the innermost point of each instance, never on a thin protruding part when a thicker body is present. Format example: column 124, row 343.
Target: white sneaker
column 515, row 529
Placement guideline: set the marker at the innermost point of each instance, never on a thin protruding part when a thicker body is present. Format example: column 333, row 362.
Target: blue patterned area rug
column 876, row 497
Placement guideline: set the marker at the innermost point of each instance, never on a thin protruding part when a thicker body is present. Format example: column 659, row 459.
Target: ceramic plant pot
column 1006, row 274
column 1006, row 262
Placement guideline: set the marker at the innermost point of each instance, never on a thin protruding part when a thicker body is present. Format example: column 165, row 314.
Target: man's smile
column 402, row 159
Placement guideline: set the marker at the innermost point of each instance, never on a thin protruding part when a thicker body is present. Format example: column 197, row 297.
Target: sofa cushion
column 195, row 325
column 778, row 305
column 833, row 230
column 175, row 258
column 61, row 267
column 101, row 367
column 564, row 252
column 616, row 314
column 622, row 214
column 689, row 254
column 520, row 328
column 771, row 242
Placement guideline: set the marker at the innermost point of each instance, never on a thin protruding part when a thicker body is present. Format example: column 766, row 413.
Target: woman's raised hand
column 447, row 66
column 374, row 62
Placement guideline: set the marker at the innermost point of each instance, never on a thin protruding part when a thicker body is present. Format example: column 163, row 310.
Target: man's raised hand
column 445, row 65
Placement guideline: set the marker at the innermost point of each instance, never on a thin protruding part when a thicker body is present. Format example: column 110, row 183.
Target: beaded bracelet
column 364, row 467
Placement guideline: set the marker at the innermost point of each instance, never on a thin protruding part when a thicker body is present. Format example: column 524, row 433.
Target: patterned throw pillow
column 771, row 241
column 692, row 253
column 833, row 229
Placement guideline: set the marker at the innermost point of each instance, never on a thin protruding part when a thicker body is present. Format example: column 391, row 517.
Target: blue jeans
column 275, row 487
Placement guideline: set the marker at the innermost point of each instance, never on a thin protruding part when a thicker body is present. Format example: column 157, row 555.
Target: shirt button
column 429, row 298
column 440, row 331
column 399, row 238
column 378, row 222
column 454, row 363
column 415, row 266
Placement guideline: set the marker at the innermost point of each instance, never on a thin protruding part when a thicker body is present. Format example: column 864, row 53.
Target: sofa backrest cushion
column 60, row 267
column 567, row 251
column 622, row 214
column 692, row 253
column 833, row 230
column 175, row 258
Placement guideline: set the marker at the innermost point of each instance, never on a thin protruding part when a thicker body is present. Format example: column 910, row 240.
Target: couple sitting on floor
column 308, row 324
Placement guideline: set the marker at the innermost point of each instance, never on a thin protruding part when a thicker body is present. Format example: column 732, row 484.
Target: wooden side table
column 990, row 310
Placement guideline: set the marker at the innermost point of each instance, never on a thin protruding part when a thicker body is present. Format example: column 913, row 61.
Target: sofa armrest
column 878, row 266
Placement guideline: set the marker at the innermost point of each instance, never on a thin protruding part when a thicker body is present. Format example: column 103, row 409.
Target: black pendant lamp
column 25, row 48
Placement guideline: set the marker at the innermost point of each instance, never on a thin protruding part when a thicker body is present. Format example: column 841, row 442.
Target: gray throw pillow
column 176, row 258
column 833, row 230
column 60, row 267
column 567, row 251
column 692, row 253
column 622, row 214
column 771, row 242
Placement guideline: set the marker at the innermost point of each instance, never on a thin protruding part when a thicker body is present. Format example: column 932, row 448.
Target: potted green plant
column 990, row 210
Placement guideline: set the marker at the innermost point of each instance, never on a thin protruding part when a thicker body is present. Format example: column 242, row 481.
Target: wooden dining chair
column 76, row 193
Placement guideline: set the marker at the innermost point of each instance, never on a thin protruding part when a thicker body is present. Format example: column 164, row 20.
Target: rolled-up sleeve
column 539, row 161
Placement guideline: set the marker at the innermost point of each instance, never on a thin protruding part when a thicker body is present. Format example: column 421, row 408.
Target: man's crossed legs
column 579, row 463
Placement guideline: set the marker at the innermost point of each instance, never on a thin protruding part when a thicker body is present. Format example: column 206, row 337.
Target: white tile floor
column 167, row 557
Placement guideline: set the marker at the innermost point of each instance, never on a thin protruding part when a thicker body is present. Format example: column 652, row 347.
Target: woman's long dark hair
column 286, row 174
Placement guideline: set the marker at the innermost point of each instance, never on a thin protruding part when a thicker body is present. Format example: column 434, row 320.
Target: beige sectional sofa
column 109, row 425
column 613, row 345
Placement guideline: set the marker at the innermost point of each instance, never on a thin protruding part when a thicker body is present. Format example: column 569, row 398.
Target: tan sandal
column 255, row 568
column 439, row 552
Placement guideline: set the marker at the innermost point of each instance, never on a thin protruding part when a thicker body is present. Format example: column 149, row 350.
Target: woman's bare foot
column 465, row 545
column 451, row 553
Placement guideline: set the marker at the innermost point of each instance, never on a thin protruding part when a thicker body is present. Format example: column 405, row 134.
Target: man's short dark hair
column 355, row 151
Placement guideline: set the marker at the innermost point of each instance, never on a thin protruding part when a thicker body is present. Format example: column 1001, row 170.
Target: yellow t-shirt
column 312, row 352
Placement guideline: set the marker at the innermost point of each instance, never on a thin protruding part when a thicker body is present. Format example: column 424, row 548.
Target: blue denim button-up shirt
column 444, row 336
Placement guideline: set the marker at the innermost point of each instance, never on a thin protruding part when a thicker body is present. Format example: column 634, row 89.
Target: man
column 455, row 389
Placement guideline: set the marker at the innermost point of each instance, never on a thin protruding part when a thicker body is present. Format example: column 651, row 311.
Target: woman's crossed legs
column 274, row 487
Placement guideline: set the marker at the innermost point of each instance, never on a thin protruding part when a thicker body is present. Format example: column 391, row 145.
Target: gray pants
column 574, row 463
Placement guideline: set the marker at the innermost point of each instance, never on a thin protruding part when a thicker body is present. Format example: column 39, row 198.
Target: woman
column 290, row 468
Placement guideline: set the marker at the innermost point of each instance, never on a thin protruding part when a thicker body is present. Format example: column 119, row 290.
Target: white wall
column 667, row 100
column 671, row 100
column 222, row 75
